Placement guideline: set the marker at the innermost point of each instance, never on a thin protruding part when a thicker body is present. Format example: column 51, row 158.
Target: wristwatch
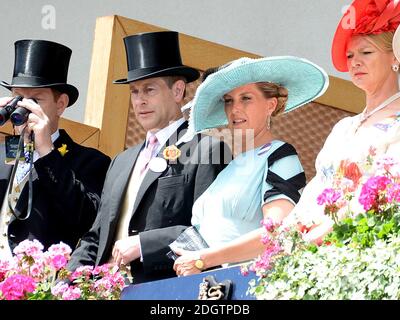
column 199, row 264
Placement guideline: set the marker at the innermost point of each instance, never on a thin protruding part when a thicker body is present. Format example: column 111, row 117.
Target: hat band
column 35, row 81
column 132, row 74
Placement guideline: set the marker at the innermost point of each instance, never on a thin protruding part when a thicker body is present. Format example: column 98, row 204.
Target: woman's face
column 247, row 108
column 369, row 66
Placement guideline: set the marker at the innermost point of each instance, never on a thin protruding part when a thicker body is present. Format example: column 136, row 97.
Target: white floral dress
column 347, row 144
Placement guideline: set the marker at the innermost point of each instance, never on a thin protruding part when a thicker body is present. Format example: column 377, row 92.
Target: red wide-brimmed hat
column 363, row 17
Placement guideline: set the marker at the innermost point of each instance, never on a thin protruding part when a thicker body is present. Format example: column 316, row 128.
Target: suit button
column 1, row 247
column 169, row 221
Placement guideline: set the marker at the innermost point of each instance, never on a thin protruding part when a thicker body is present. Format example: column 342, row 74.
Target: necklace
column 365, row 115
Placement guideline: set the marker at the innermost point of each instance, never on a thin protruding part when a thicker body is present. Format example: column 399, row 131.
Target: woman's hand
column 185, row 264
column 317, row 233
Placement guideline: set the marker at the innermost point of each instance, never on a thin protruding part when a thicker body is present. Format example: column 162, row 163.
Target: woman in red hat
column 362, row 46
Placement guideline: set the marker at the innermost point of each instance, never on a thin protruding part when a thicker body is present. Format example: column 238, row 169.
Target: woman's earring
column 395, row 67
column 269, row 122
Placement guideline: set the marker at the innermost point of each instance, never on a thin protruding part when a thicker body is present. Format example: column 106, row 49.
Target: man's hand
column 39, row 124
column 126, row 250
column 4, row 101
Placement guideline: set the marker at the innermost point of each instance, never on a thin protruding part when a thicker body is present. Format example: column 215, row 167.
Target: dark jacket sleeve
column 74, row 183
column 87, row 249
column 155, row 243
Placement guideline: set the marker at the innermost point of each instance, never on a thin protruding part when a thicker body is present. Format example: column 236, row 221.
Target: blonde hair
column 273, row 90
column 383, row 41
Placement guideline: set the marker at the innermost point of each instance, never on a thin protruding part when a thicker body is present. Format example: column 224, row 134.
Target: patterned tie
column 147, row 153
column 22, row 171
column 23, row 166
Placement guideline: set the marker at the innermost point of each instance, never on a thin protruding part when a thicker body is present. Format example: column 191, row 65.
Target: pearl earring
column 395, row 67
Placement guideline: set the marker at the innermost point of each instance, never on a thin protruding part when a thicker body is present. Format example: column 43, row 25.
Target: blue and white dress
column 232, row 205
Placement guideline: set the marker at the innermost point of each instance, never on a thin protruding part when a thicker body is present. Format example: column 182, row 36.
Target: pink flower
column 372, row 194
column 372, row 151
column 5, row 267
column 59, row 249
column 265, row 238
column 116, row 279
column 71, row 294
column 30, row 248
column 85, row 271
column 59, row 289
column 105, row 269
column 393, row 193
column 268, row 224
column 37, row 269
column 265, row 261
column 59, row 262
column 244, row 270
column 328, row 197
column 32, row 274
column 16, row 287
column 103, row 285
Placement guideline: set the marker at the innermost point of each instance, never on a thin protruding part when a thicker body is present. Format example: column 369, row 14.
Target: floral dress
column 350, row 156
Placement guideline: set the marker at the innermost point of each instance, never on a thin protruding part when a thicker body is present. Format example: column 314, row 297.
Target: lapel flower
column 171, row 153
column 63, row 149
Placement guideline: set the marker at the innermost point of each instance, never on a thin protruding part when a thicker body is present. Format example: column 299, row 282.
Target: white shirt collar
column 55, row 135
column 165, row 133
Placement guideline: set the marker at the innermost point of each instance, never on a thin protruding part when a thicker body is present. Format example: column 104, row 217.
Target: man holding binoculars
column 67, row 178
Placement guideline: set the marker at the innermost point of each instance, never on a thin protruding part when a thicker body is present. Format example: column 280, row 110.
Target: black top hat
column 155, row 54
column 42, row 64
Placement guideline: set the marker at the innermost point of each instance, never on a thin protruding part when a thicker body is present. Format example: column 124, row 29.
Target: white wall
column 266, row 27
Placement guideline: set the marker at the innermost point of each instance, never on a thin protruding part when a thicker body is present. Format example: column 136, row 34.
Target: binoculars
column 18, row 115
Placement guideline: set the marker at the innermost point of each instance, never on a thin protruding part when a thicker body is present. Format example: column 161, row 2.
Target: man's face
column 50, row 105
column 154, row 103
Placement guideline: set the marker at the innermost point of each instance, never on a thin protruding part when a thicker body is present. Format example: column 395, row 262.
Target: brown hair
column 170, row 80
column 56, row 94
column 273, row 90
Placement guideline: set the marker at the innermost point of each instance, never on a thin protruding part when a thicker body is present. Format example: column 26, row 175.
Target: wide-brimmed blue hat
column 304, row 80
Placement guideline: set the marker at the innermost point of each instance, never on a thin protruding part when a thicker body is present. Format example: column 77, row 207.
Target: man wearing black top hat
column 150, row 189
column 66, row 178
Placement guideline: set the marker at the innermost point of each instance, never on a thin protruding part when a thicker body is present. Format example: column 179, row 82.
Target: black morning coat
column 66, row 194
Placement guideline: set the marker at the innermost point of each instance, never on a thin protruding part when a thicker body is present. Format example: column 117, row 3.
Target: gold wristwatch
column 199, row 264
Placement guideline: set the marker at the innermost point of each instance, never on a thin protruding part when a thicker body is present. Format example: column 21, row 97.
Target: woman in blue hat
column 265, row 178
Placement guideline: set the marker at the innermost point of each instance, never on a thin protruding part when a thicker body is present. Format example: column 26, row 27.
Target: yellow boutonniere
column 63, row 149
column 171, row 153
